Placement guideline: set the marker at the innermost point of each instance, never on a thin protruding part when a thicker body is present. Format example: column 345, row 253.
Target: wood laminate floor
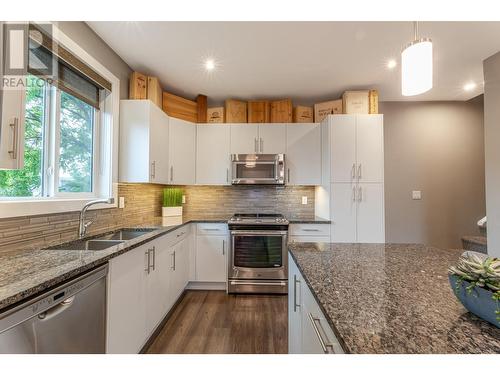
column 214, row 322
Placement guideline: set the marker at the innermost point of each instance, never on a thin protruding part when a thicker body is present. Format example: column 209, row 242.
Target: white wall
column 491, row 68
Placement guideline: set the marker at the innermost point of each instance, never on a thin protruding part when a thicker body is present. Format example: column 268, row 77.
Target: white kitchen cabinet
column 343, row 147
column 303, row 154
column 211, row 258
column 158, row 281
column 309, row 232
column 182, row 152
column 370, row 221
column 294, row 308
column 126, row 313
column 12, row 129
column 343, row 210
column 144, row 139
column 179, row 267
column 308, row 330
column 353, row 158
column 369, row 148
column 272, row 138
column 244, row 138
column 357, row 148
column 258, row 138
column 213, row 161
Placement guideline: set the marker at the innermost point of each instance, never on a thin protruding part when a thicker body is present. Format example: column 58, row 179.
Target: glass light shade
column 416, row 68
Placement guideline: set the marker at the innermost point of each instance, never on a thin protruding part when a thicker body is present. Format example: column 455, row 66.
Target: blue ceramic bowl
column 479, row 301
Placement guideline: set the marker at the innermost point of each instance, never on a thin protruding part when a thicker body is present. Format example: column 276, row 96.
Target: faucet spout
column 82, row 226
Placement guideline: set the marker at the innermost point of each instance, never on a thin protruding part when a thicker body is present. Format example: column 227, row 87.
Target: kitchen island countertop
column 392, row 298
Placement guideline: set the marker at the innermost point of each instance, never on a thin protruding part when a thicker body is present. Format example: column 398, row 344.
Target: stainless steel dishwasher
column 70, row 318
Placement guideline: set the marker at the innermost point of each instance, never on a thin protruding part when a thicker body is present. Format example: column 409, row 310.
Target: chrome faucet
column 82, row 225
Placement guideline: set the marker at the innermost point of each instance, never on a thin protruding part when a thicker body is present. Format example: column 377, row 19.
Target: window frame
column 105, row 152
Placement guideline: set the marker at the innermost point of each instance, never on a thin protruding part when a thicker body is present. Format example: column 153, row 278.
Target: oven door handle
column 280, row 283
column 259, row 232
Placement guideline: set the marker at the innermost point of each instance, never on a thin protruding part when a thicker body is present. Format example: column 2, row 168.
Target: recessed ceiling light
column 391, row 64
column 470, row 86
column 209, row 64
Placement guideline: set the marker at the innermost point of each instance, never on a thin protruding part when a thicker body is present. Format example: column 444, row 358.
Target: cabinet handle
column 353, row 171
column 310, row 230
column 153, row 250
column 354, row 193
column 180, row 234
column 171, row 173
column 261, row 146
column 15, row 133
column 153, row 170
column 295, row 282
column 359, row 171
column 227, row 174
column 223, row 247
column 173, row 261
column 324, row 344
column 256, row 146
column 360, row 194
column 212, row 229
column 149, row 260
column 288, row 172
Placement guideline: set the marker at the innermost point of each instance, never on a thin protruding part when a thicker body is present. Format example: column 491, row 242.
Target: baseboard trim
column 201, row 285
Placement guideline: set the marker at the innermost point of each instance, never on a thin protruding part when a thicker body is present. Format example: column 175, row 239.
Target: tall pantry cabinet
column 353, row 176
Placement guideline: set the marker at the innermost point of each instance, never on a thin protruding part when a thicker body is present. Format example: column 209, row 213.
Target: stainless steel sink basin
column 93, row 245
column 103, row 241
column 125, row 234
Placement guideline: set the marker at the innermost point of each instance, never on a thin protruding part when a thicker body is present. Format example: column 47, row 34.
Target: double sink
column 104, row 241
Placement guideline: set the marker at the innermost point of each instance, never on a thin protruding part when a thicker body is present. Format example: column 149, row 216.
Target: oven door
column 258, row 254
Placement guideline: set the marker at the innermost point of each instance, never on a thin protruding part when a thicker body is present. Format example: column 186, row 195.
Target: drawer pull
column 316, row 323
column 310, row 230
column 295, row 282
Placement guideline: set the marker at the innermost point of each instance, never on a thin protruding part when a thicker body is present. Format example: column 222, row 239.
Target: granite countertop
column 26, row 273
column 392, row 298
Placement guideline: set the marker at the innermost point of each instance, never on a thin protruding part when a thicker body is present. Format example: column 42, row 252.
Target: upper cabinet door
column 370, row 148
column 213, row 154
column 12, row 129
column 158, row 142
column 244, row 139
column 343, row 148
column 182, row 148
column 303, row 154
column 272, row 139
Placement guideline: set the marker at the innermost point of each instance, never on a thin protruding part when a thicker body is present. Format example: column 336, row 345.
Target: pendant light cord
column 415, row 30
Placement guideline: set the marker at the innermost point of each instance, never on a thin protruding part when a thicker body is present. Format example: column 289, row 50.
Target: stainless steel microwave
column 258, row 169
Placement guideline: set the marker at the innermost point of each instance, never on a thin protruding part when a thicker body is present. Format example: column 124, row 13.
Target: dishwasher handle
column 56, row 310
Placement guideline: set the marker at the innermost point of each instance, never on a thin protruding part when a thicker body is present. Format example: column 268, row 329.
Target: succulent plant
column 480, row 271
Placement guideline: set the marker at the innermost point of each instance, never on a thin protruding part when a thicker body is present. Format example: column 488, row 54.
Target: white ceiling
column 307, row 61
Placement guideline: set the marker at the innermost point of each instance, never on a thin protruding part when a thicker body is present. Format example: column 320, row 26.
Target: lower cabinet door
column 158, row 296
column 126, row 316
column 179, row 269
column 370, row 215
column 294, row 308
column 317, row 335
column 343, row 208
column 211, row 254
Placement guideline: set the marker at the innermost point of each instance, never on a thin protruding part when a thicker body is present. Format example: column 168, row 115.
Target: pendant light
column 416, row 65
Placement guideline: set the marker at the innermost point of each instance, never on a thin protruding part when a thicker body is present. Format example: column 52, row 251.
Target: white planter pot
column 171, row 216
column 171, row 211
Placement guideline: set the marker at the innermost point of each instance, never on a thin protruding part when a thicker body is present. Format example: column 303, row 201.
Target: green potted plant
column 172, row 206
column 476, row 283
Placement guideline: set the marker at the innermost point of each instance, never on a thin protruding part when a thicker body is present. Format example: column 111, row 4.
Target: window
column 59, row 153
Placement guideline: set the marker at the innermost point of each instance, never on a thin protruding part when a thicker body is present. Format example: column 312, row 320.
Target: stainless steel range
column 258, row 259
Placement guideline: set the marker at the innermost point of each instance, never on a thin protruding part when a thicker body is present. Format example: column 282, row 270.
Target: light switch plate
column 121, row 202
column 183, row 199
column 416, row 195
column 304, row 200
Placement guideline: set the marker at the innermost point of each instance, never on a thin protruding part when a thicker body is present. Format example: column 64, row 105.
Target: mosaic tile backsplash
column 143, row 202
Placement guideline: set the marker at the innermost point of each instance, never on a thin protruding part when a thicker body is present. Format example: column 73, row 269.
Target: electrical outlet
column 304, row 200
column 416, row 195
column 121, row 202
column 183, row 199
